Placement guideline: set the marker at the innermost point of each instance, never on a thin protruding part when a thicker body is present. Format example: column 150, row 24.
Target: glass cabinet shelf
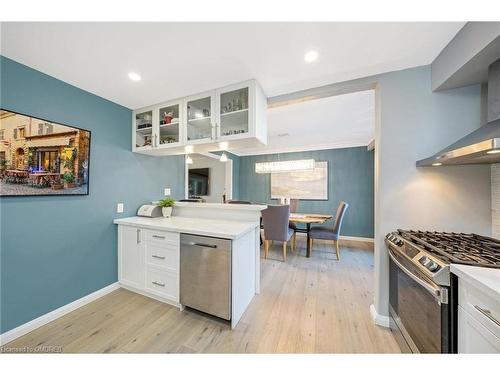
column 234, row 112
column 169, row 120
column 144, row 129
column 199, row 119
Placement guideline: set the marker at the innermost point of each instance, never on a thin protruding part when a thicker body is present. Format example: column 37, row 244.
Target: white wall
column 220, row 177
column 414, row 123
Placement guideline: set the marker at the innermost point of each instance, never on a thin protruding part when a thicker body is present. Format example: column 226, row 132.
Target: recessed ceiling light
column 311, row 56
column 134, row 77
column 437, row 164
column 493, row 152
column 223, row 157
column 283, row 134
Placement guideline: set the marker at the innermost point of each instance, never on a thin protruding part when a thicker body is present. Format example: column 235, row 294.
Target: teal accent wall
column 55, row 250
column 350, row 178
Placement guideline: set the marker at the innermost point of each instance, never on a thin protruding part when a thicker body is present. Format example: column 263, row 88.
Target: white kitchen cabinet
column 230, row 118
column 474, row 337
column 131, row 256
column 199, row 112
column 169, row 124
column 148, row 262
column 478, row 320
column 144, row 131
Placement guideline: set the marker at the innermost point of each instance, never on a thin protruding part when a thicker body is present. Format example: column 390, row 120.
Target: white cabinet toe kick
column 149, row 263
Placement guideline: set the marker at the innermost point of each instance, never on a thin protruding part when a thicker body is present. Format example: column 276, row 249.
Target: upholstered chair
column 332, row 234
column 275, row 220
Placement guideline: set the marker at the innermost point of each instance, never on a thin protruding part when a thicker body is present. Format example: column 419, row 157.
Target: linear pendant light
column 285, row 166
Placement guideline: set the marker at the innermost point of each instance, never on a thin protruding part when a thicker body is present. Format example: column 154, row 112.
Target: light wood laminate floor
column 307, row 305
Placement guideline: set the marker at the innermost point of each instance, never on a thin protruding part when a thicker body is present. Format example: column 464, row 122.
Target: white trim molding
column 55, row 314
column 381, row 320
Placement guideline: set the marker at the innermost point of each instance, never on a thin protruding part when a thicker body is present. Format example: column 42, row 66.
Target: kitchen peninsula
column 153, row 252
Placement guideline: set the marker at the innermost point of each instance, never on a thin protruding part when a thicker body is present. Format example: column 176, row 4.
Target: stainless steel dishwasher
column 206, row 274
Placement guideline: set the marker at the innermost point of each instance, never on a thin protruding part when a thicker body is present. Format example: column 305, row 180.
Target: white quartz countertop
column 203, row 227
column 222, row 206
column 485, row 279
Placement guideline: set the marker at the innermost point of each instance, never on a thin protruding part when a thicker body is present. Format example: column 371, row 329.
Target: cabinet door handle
column 158, row 284
column 158, row 257
column 487, row 313
column 138, row 236
column 160, row 237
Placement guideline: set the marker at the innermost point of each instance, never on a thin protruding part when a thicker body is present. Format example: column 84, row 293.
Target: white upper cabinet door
column 199, row 118
column 236, row 111
column 170, row 124
column 144, row 129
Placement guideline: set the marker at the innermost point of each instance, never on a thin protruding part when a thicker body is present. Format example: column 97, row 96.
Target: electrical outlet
column 119, row 208
column 166, row 191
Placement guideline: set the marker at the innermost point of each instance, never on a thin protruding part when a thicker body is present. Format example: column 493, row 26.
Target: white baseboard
column 55, row 314
column 381, row 320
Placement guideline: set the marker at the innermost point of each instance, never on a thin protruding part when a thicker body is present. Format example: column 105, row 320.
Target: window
column 2, row 134
column 15, row 133
column 21, row 132
column 49, row 128
column 40, row 129
column 2, row 155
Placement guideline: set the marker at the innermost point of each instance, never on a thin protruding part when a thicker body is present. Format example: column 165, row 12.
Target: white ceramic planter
column 166, row 211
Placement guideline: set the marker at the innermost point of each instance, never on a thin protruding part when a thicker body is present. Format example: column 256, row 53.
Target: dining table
column 308, row 219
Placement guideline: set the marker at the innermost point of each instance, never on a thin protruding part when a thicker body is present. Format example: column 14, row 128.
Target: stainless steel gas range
column 422, row 293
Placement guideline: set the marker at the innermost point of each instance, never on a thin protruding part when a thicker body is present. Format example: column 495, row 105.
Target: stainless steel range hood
column 482, row 146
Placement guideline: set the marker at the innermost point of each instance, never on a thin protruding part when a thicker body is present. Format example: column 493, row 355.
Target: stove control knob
column 432, row 266
column 424, row 261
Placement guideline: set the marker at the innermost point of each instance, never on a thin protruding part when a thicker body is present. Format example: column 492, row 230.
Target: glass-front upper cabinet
column 143, row 129
column 199, row 111
column 169, row 118
column 235, row 113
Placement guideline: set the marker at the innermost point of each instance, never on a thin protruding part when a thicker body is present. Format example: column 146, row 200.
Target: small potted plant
column 166, row 206
column 69, row 180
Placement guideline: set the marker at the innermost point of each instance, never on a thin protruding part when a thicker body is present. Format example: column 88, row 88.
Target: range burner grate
column 470, row 249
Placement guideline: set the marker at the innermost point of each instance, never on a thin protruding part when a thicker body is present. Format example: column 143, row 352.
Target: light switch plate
column 119, row 208
column 166, row 191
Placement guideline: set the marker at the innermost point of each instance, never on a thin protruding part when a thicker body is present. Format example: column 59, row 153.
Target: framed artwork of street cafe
column 39, row 157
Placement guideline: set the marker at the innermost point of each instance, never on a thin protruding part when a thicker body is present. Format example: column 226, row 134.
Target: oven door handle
column 431, row 289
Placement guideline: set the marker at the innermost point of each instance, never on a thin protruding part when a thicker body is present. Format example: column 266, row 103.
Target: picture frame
column 303, row 185
column 41, row 157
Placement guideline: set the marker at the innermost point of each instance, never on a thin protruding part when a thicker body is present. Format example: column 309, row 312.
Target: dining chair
column 294, row 207
column 275, row 220
column 332, row 234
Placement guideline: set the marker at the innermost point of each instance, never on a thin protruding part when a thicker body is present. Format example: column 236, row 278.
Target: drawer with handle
column 162, row 237
column 162, row 283
column 481, row 306
column 163, row 255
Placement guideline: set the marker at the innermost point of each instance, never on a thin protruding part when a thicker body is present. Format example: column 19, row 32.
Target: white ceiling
column 333, row 122
column 179, row 59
